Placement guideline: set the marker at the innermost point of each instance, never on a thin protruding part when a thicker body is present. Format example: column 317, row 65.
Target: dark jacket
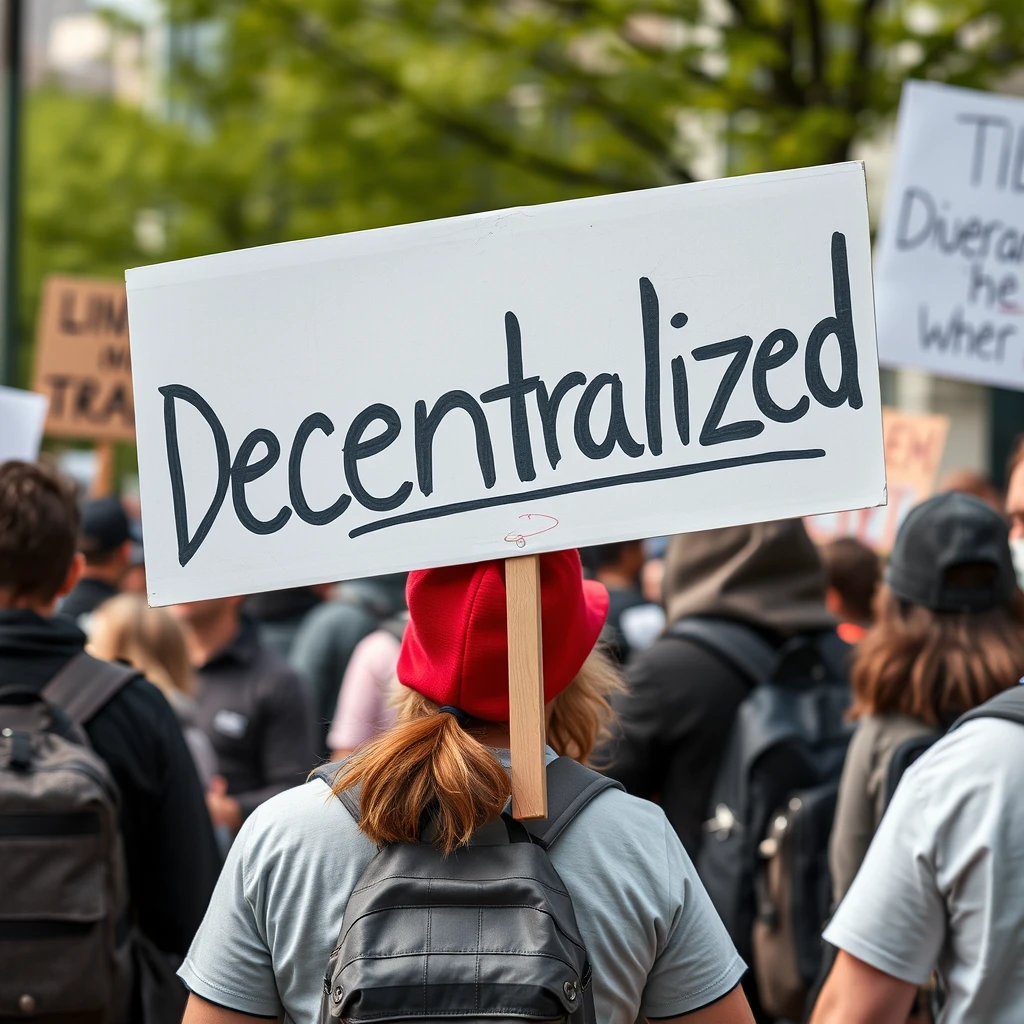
column 673, row 724
column 87, row 596
column 170, row 850
column 678, row 710
column 280, row 614
column 256, row 713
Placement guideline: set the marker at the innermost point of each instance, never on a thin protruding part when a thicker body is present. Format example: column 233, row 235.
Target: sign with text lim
column 83, row 360
column 507, row 383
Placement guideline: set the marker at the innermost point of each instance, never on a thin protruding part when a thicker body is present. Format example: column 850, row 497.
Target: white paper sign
column 505, row 383
column 22, row 414
column 950, row 250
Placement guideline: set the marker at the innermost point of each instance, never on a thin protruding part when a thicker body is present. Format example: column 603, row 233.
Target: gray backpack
column 64, row 929
column 485, row 934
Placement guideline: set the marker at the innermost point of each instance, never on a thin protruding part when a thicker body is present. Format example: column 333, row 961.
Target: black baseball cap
column 946, row 531
column 105, row 526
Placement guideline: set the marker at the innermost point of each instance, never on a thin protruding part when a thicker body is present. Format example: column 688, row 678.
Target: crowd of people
column 800, row 800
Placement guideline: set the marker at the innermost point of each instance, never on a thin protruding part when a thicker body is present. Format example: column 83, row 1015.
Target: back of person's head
column 39, row 523
column 125, row 628
column 627, row 554
column 853, row 571
column 765, row 574
column 105, row 533
column 949, row 632
column 970, row 481
column 453, row 671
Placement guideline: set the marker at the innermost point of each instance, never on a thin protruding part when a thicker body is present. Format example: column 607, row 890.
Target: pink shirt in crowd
column 363, row 710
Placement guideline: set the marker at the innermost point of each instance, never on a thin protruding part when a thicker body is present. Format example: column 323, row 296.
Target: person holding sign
column 643, row 939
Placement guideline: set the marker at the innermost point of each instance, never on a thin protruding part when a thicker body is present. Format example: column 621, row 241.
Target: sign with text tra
column 507, row 383
column 83, row 362
column 949, row 269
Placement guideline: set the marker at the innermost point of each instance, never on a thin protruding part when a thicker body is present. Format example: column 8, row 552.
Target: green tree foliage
column 352, row 113
column 292, row 118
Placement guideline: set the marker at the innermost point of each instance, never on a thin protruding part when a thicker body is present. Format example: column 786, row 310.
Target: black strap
column 85, row 685
column 1008, row 705
column 571, row 786
column 739, row 645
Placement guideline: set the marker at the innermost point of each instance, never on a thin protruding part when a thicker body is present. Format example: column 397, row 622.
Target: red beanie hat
column 455, row 649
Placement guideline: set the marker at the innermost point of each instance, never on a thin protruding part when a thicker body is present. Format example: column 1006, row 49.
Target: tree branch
column 473, row 132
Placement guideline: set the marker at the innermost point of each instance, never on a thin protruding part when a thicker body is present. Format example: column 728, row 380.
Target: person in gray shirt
column 251, row 705
column 657, row 948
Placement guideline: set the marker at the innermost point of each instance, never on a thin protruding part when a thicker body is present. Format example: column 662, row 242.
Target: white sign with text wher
column 948, row 269
column 507, row 383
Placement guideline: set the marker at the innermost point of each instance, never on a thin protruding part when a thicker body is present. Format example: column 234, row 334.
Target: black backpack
column 487, row 933
column 764, row 855
column 64, row 929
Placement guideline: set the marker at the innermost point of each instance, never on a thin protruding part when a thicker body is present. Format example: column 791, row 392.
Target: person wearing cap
column 656, row 947
column 106, row 542
column 941, row 885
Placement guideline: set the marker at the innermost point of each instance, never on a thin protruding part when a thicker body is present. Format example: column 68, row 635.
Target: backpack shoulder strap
column 571, row 786
column 903, row 757
column 1008, row 705
column 739, row 645
column 85, row 685
column 350, row 798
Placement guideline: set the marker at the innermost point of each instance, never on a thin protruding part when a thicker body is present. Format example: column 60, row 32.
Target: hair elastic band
column 458, row 714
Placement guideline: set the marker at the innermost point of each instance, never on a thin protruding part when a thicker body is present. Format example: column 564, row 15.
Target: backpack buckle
column 21, row 749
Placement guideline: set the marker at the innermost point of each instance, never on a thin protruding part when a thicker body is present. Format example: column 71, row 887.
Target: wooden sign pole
column 103, row 479
column 526, row 688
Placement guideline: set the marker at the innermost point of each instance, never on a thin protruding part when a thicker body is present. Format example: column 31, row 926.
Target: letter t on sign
column 526, row 688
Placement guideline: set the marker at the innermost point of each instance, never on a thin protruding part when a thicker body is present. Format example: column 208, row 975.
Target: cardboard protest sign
column 949, row 290
column 507, row 383
column 82, row 359
column 21, row 424
column 914, row 443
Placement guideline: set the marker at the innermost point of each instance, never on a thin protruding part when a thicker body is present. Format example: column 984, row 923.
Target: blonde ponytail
column 426, row 769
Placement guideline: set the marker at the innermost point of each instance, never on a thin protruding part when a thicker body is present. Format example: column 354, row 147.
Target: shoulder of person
column 972, row 755
column 141, row 704
column 302, row 822
column 624, row 827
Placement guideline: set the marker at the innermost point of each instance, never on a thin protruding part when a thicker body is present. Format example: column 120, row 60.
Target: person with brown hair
column 852, row 574
column 654, row 945
column 940, row 888
column 169, row 849
column 949, row 635
column 126, row 629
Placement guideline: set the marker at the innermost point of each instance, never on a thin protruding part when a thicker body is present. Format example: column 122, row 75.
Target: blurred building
column 79, row 47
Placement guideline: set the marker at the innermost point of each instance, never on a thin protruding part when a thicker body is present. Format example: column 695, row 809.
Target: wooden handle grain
column 526, row 688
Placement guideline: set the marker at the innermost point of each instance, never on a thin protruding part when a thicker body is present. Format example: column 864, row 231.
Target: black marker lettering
column 315, row 421
column 516, row 391
column 188, row 547
column 766, row 360
column 60, row 384
column 840, row 325
column 243, row 472
column 618, row 431
column 356, row 449
column 681, row 399
column 548, row 409
column 711, row 432
column 652, row 364
column 426, row 425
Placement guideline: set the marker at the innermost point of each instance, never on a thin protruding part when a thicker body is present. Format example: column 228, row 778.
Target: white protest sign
column 507, row 383
column 22, row 414
column 951, row 243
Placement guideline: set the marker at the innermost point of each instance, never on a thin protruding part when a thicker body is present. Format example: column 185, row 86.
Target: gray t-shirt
column 942, row 885
column 656, row 945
